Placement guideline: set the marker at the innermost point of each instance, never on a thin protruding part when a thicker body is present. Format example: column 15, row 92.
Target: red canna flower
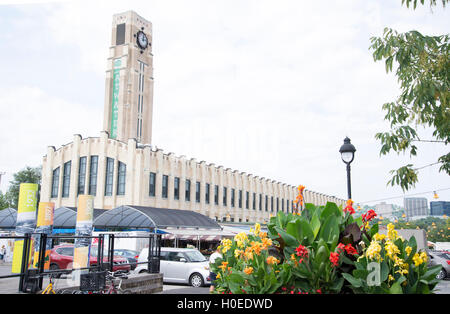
column 349, row 208
column 350, row 250
column 341, row 247
column 369, row 215
column 334, row 258
column 301, row 251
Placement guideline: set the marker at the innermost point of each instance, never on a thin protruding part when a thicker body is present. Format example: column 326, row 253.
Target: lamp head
column 347, row 151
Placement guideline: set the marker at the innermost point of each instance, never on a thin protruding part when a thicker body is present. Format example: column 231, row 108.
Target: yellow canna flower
column 379, row 237
column 391, row 249
column 373, row 251
column 408, row 250
column 248, row 270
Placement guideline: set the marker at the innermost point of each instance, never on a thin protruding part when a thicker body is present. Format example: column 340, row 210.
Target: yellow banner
column 44, row 225
column 25, row 223
column 84, row 225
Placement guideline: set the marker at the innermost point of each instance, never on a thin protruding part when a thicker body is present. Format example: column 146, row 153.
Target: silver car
column 441, row 258
column 179, row 266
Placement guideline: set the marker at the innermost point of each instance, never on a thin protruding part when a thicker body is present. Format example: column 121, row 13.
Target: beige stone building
column 122, row 168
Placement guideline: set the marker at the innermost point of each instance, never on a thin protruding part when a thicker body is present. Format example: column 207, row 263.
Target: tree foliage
column 422, row 67
column 26, row 175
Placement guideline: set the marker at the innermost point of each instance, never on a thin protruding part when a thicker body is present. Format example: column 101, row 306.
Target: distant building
column 416, row 206
column 384, row 210
column 440, row 208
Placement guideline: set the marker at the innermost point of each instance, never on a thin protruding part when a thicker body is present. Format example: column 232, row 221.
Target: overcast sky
column 270, row 88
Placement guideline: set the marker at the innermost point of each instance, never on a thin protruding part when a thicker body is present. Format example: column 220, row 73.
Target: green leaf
column 337, row 285
column 308, row 234
column 288, row 239
column 315, row 225
column 330, row 209
column 355, row 282
column 396, row 288
column 330, row 229
column 384, row 269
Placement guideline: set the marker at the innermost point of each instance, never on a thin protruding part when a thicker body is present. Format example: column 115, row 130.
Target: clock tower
column 128, row 110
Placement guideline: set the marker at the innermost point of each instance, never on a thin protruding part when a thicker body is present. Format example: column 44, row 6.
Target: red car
column 61, row 257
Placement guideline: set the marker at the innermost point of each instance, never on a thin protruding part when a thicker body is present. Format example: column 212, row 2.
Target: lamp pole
column 349, row 185
column 347, row 151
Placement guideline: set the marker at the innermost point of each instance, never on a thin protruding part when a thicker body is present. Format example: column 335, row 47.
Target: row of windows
column 92, row 180
column 265, row 202
column 274, row 204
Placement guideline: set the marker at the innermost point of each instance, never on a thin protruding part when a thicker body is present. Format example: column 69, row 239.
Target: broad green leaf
column 315, row 225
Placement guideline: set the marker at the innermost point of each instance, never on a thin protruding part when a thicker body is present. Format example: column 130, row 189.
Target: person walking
column 2, row 254
column 212, row 276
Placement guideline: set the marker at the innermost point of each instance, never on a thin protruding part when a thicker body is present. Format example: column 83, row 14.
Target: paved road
column 183, row 289
column 11, row 285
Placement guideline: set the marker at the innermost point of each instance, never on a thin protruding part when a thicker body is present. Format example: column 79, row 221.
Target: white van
column 179, row 266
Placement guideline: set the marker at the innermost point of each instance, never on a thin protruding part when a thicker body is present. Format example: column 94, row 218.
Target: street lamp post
column 347, row 151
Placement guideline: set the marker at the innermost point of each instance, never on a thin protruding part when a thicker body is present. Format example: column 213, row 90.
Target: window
column 278, row 206
column 197, row 192
column 121, row 178
column 140, row 101
column 224, row 196
column 66, row 179
column 175, row 256
column 254, row 201
column 55, row 182
column 109, row 176
column 216, row 194
column 120, row 34
column 188, row 190
column 207, row 187
column 287, row 206
column 152, row 184
column 93, row 168
column 282, row 204
column 232, row 197
column 267, row 203
column 176, row 188
column 82, row 175
column 240, row 199
column 165, row 184
column 260, row 202
column 247, row 196
column 271, row 204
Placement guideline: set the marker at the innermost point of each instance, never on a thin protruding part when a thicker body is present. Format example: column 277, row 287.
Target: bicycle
column 49, row 289
column 112, row 287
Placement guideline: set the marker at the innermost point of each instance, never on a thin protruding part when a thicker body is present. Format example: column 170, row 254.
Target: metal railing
column 31, row 279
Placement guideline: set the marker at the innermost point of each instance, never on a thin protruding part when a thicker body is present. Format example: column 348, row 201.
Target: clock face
column 142, row 40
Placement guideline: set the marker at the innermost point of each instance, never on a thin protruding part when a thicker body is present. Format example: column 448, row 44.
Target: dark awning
column 8, row 217
column 128, row 216
column 66, row 217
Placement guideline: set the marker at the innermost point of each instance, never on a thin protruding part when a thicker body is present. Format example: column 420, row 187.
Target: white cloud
column 32, row 120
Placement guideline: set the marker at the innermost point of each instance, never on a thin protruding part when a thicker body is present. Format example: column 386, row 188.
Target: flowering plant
column 319, row 243
column 391, row 264
column 248, row 266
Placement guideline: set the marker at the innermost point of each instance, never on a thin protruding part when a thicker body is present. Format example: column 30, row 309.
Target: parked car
column 441, row 258
column 130, row 255
column 61, row 257
column 179, row 266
